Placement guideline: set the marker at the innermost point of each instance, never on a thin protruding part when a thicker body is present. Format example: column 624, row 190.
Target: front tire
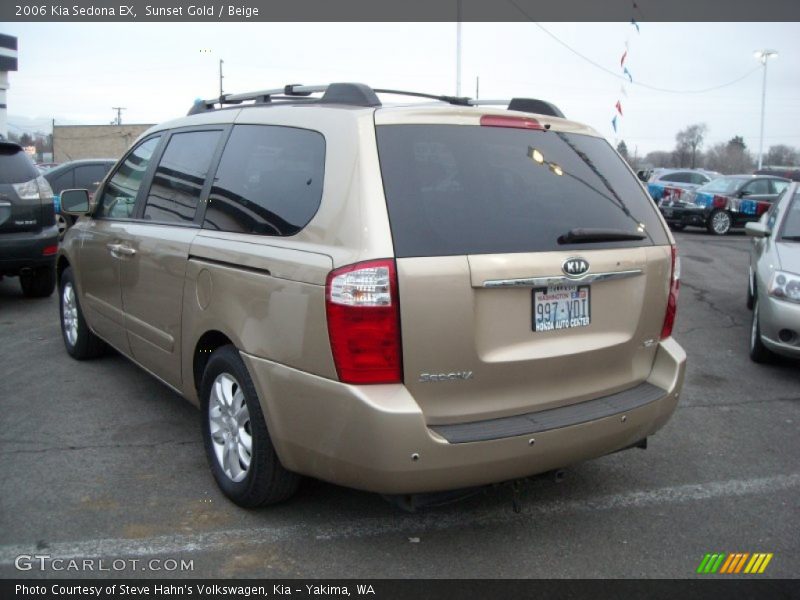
column 79, row 340
column 719, row 222
column 38, row 283
column 237, row 443
column 758, row 351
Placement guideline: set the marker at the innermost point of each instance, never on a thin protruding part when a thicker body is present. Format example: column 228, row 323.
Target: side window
column 757, row 187
column 269, row 181
column 699, row 179
column 64, row 181
column 679, row 177
column 180, row 176
column 88, row 177
column 119, row 195
column 778, row 186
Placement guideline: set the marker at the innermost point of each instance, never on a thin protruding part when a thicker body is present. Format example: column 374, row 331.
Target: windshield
column 791, row 224
column 721, row 185
column 454, row 190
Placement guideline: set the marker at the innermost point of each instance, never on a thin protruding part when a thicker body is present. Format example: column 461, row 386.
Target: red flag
column 622, row 60
column 619, row 107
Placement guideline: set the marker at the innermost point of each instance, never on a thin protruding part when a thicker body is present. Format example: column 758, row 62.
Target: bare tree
column 782, row 155
column 730, row 157
column 659, row 158
column 688, row 143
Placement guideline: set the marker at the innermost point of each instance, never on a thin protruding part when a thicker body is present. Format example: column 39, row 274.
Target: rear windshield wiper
column 587, row 236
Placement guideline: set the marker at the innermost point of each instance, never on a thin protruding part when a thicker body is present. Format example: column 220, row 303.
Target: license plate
column 561, row 307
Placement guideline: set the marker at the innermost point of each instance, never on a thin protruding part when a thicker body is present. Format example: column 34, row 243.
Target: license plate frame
column 561, row 316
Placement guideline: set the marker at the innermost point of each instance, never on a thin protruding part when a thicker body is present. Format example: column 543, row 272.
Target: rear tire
column 232, row 420
column 758, row 351
column 38, row 283
column 80, row 342
column 719, row 222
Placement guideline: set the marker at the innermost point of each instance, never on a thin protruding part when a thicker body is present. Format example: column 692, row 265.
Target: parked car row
column 724, row 203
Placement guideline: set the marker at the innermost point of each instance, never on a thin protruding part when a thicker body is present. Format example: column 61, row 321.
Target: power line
column 617, row 75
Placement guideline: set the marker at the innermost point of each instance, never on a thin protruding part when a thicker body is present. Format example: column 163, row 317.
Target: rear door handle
column 120, row 250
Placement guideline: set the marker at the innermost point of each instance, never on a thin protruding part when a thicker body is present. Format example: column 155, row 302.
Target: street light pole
column 763, row 56
column 458, row 48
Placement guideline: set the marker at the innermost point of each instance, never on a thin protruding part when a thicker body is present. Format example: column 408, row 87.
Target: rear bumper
column 24, row 249
column 375, row 437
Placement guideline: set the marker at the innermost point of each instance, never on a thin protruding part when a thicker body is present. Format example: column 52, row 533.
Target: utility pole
column 221, row 77
column 763, row 56
column 119, row 110
column 458, row 48
column 477, row 88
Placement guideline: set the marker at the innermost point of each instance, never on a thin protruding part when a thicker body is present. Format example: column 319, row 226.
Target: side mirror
column 744, row 193
column 77, row 203
column 757, row 229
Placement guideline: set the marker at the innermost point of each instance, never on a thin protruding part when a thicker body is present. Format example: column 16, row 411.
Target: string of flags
column 618, row 115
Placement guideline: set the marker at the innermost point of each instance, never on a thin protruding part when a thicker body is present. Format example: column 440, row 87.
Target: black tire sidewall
column 81, row 348
column 39, row 284
column 263, row 462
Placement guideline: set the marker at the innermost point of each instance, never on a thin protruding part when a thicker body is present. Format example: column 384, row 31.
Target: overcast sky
column 75, row 73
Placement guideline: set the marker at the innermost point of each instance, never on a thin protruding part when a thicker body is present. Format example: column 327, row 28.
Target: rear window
column 454, row 189
column 15, row 165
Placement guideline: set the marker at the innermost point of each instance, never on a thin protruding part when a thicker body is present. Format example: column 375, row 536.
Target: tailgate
column 533, row 270
column 470, row 350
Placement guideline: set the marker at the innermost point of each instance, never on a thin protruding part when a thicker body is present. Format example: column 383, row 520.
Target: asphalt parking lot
column 101, row 461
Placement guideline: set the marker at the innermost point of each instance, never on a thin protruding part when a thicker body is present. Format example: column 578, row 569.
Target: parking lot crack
column 92, row 446
column 701, row 295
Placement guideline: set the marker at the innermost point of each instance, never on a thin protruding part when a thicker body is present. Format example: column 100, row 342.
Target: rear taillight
column 364, row 322
column 719, row 202
column 518, row 122
column 49, row 250
column 672, row 301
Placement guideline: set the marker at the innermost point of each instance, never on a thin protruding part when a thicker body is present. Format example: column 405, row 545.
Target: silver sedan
column 774, row 290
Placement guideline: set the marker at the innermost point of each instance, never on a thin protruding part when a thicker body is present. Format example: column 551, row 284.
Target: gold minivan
column 401, row 299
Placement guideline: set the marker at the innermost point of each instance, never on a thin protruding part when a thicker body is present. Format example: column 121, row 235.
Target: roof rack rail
column 531, row 105
column 358, row 94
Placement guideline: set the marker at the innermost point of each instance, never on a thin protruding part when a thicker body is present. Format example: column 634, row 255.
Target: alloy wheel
column 229, row 425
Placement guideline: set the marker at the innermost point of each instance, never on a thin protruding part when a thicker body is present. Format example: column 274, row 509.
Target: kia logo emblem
column 575, row 267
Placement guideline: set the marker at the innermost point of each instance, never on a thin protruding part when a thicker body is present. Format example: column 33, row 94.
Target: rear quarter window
column 269, row 181
column 454, row 189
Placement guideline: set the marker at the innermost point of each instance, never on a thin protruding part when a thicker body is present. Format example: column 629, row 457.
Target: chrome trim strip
column 560, row 279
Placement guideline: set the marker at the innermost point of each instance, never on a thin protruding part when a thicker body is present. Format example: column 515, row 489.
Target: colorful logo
column 734, row 563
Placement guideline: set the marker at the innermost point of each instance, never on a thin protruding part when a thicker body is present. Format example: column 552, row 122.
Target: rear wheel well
column 61, row 266
column 208, row 342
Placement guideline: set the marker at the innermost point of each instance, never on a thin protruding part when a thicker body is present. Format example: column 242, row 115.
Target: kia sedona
column 401, row 299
